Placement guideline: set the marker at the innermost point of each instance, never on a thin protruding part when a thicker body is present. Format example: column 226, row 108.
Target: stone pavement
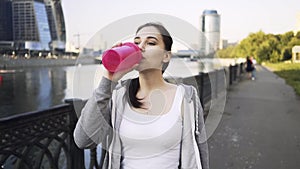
column 260, row 126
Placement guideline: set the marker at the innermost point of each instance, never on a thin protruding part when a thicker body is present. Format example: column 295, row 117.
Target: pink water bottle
column 121, row 57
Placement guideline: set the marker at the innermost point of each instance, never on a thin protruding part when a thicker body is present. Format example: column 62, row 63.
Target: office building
column 30, row 25
column 6, row 32
column 223, row 44
column 210, row 31
column 33, row 25
column 56, row 23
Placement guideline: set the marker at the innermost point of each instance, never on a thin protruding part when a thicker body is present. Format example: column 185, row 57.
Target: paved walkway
column 260, row 126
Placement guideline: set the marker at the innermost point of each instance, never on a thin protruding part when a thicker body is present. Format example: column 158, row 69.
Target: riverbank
column 8, row 63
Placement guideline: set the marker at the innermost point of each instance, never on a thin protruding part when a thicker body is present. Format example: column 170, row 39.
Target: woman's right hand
column 116, row 76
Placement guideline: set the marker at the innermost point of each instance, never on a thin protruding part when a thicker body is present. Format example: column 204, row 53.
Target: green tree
column 250, row 46
column 294, row 41
column 287, row 49
column 297, row 35
column 264, row 47
column 226, row 53
column 286, row 37
column 286, row 53
column 274, row 48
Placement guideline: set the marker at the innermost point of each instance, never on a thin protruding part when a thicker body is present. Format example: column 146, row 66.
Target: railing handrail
column 31, row 113
column 45, row 136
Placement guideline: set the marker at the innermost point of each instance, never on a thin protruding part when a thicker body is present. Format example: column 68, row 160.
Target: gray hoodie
column 101, row 117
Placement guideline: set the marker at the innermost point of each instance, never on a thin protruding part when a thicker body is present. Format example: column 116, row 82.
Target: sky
column 238, row 17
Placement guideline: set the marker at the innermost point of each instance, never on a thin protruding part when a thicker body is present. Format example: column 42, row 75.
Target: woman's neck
column 151, row 79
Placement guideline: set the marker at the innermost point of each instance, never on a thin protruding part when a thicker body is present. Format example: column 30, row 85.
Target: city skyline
column 33, row 25
column 238, row 19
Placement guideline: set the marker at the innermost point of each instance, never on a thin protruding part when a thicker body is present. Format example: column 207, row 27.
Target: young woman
column 145, row 122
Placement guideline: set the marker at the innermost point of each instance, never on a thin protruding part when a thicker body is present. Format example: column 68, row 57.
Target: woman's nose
column 142, row 46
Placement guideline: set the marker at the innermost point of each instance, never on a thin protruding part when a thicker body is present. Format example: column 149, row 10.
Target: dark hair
column 135, row 84
column 168, row 41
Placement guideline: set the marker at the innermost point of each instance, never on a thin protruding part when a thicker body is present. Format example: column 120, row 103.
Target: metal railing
column 40, row 139
column 44, row 139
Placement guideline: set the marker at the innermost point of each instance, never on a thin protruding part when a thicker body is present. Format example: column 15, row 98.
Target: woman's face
column 151, row 43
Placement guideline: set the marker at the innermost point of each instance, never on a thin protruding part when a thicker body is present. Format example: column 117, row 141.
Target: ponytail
column 134, row 86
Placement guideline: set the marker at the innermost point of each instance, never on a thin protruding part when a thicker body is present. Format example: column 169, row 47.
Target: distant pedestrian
column 253, row 73
column 249, row 68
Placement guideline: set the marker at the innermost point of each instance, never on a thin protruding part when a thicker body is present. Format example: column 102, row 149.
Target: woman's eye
column 151, row 43
column 136, row 43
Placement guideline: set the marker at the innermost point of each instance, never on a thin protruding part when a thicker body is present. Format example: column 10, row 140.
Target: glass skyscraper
column 210, row 31
column 35, row 24
column 6, row 33
column 56, row 23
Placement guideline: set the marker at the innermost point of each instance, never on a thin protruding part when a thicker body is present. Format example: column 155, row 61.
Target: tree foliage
column 264, row 47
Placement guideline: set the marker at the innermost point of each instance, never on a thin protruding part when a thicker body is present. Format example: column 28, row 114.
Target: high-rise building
column 210, row 31
column 30, row 25
column 6, row 32
column 56, row 23
column 36, row 25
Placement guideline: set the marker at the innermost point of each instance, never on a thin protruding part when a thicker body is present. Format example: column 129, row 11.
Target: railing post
column 76, row 154
column 241, row 68
column 201, row 90
column 234, row 72
column 216, row 83
column 230, row 74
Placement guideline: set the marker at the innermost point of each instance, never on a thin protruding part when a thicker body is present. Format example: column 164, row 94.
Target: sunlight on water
column 82, row 80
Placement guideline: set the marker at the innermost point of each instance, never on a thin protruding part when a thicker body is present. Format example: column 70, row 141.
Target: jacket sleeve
column 201, row 134
column 94, row 124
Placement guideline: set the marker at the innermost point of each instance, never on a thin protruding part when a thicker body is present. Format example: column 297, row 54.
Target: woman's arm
column 94, row 124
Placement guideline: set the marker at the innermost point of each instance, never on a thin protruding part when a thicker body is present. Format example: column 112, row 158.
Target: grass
column 288, row 71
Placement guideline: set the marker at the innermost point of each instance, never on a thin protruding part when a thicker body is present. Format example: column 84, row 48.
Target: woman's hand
column 116, row 76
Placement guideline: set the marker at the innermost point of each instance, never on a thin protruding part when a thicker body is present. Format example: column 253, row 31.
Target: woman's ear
column 167, row 56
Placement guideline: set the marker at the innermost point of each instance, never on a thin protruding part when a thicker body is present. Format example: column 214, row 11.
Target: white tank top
column 152, row 141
